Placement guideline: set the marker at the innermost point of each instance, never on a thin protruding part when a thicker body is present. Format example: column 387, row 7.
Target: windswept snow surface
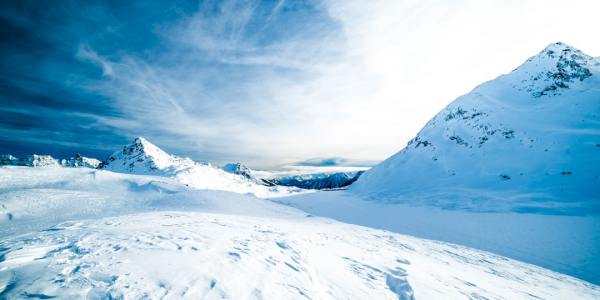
column 566, row 244
column 77, row 233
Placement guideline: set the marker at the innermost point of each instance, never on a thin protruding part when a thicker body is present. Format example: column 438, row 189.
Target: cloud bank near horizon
column 262, row 82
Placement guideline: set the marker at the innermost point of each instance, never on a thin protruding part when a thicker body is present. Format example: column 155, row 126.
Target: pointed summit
column 557, row 48
column 555, row 69
column 143, row 157
column 142, row 142
column 141, row 146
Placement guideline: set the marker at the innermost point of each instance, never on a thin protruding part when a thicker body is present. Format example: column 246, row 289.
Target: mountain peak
column 141, row 141
column 560, row 53
column 555, row 69
column 142, row 145
column 558, row 47
column 141, row 156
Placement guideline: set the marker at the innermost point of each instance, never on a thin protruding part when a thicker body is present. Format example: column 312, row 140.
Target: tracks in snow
column 173, row 255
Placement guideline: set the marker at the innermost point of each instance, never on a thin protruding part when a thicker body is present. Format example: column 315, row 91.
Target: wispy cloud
column 85, row 53
column 271, row 82
column 227, row 85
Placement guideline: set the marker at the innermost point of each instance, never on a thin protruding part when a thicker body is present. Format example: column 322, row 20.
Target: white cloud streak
column 359, row 86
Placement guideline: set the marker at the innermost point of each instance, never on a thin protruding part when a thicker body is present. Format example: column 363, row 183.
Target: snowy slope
column 565, row 244
column 33, row 198
column 527, row 141
column 144, row 158
column 152, row 237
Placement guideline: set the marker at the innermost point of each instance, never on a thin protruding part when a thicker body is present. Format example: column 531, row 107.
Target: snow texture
column 565, row 244
column 152, row 237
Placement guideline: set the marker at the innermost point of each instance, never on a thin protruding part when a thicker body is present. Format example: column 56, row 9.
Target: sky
column 266, row 83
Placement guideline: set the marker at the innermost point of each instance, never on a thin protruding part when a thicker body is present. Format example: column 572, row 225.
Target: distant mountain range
column 36, row 160
column 320, row 181
column 144, row 158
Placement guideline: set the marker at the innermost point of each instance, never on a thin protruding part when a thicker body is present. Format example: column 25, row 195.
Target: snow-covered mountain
column 8, row 160
column 144, row 158
column 527, row 141
column 319, row 181
column 33, row 160
column 36, row 160
column 304, row 180
column 141, row 157
column 78, row 233
column 244, row 171
column 80, row 162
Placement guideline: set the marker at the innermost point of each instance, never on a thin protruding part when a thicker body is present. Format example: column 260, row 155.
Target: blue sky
column 262, row 82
